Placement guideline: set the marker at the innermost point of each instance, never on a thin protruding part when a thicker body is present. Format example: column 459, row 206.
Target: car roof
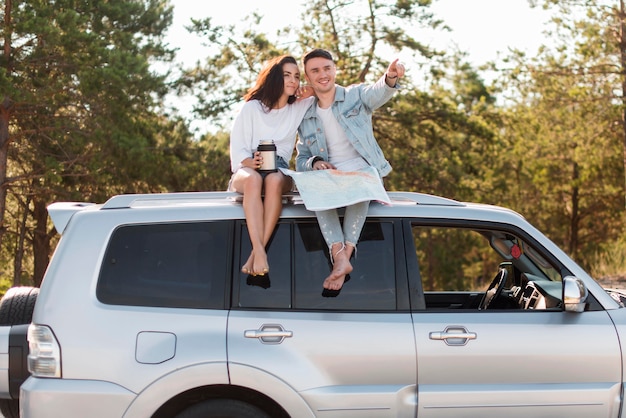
column 403, row 204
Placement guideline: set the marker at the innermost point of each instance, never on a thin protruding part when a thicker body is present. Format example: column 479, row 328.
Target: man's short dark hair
column 317, row 53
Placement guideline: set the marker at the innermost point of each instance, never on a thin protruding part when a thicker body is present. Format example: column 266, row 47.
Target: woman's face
column 291, row 77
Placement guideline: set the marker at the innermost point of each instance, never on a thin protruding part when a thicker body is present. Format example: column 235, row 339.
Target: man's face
column 320, row 74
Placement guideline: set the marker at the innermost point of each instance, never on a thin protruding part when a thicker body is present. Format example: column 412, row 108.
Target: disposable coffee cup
column 268, row 153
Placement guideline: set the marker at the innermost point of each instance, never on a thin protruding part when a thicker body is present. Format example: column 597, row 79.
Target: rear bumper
column 56, row 398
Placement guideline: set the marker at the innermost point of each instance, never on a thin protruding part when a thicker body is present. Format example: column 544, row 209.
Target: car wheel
column 222, row 408
column 16, row 308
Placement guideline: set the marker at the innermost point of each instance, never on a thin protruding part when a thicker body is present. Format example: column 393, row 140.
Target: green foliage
column 453, row 259
column 609, row 260
column 354, row 32
column 565, row 136
column 221, row 80
column 83, row 124
column 84, row 120
column 443, row 141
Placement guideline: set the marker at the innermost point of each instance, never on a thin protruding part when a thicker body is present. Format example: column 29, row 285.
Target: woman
column 270, row 112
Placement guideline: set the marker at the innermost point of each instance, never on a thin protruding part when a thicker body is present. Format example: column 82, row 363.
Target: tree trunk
column 18, row 259
column 6, row 107
column 622, row 47
column 575, row 215
column 5, row 111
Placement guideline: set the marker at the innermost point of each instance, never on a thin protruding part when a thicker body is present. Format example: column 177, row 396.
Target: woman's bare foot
column 259, row 262
column 341, row 267
column 247, row 267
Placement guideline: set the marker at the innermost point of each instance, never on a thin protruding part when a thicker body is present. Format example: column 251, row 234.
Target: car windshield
column 513, row 248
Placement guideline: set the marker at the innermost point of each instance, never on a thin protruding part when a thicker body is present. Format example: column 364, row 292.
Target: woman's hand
column 303, row 92
column 255, row 162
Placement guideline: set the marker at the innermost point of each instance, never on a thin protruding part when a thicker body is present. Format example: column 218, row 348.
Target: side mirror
column 574, row 294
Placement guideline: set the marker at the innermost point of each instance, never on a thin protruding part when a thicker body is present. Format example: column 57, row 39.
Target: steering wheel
column 494, row 290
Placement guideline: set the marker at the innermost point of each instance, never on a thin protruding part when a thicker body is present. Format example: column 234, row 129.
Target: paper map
column 330, row 189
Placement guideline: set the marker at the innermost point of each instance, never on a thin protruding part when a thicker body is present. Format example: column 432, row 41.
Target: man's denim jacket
column 353, row 109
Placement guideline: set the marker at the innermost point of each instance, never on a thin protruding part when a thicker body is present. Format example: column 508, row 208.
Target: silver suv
column 453, row 309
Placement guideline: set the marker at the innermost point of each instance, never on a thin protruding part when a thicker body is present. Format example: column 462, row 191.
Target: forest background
column 84, row 114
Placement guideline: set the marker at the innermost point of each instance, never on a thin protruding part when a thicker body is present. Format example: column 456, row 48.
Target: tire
column 222, row 408
column 17, row 305
column 16, row 308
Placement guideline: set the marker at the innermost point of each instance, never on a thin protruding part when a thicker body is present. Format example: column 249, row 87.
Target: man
column 336, row 133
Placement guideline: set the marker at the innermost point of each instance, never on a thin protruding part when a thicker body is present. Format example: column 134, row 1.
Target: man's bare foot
column 259, row 262
column 341, row 267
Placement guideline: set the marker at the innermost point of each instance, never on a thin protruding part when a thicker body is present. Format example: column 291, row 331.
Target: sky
column 484, row 29
column 481, row 27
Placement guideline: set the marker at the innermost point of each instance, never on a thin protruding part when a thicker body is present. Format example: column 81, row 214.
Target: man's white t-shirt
column 341, row 152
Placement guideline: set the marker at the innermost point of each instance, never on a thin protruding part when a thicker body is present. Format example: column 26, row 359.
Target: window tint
column 272, row 291
column 297, row 283
column 166, row 265
column 372, row 284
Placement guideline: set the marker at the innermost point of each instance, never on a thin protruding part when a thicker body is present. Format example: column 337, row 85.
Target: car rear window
column 177, row 265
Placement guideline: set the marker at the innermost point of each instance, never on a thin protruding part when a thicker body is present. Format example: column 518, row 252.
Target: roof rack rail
column 129, row 200
column 423, row 199
column 289, row 197
column 163, row 199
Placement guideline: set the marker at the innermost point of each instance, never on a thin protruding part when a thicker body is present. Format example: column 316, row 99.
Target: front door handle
column 269, row 333
column 453, row 335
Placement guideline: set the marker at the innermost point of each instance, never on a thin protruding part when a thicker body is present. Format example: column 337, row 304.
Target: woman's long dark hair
column 270, row 84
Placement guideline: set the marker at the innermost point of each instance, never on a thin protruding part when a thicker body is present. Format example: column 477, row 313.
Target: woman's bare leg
column 250, row 184
column 275, row 185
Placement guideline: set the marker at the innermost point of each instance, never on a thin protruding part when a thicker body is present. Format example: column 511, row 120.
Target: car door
column 350, row 354
column 539, row 362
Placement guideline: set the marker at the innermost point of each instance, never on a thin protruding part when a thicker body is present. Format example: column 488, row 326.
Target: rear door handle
column 269, row 333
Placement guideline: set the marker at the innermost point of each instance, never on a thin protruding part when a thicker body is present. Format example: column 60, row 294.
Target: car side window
column 480, row 269
column 270, row 291
column 372, row 284
column 296, row 283
column 176, row 265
